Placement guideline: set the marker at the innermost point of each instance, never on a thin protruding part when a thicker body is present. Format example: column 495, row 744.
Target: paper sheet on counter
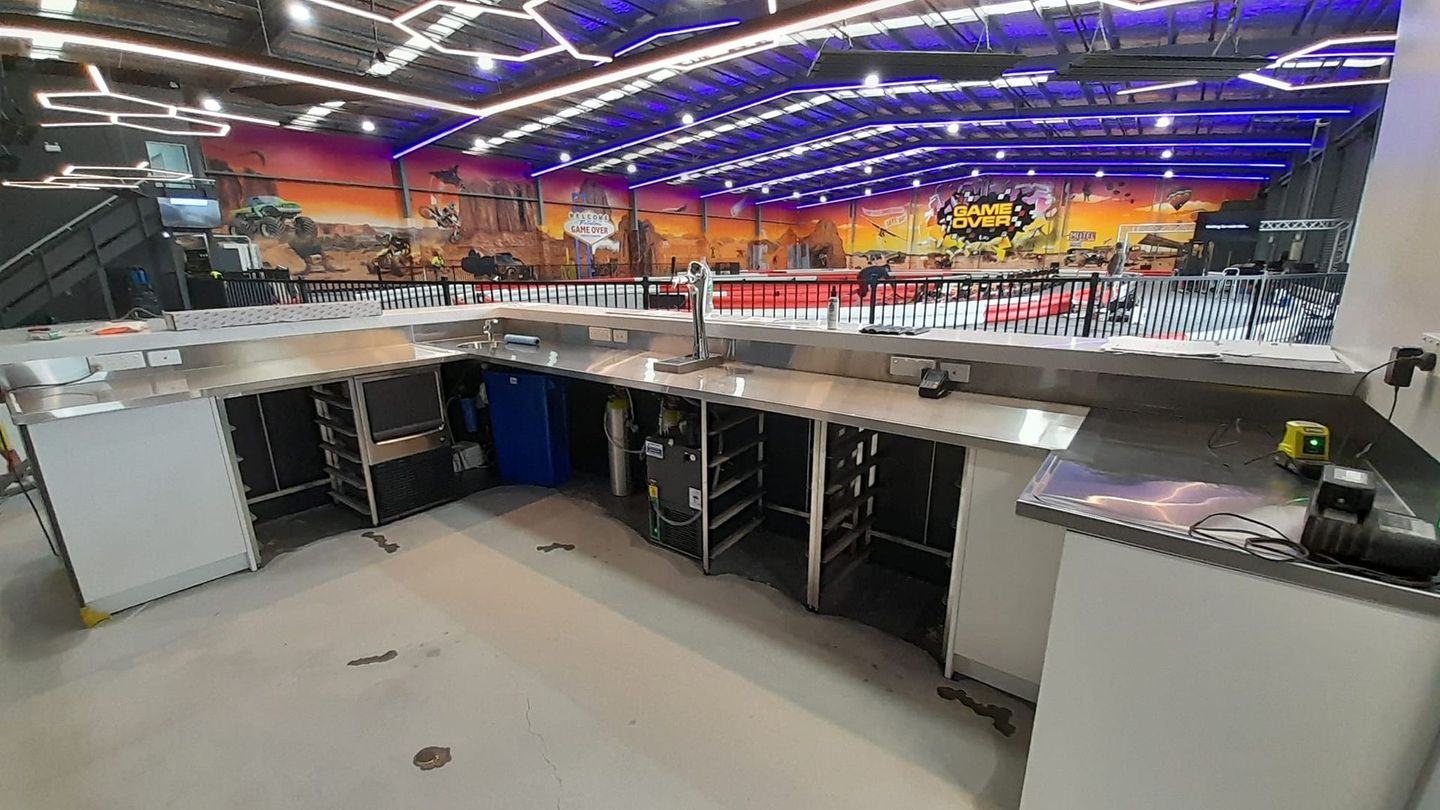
column 1221, row 349
column 1159, row 346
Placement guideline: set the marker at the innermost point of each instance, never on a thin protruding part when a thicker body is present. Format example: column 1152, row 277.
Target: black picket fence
column 1284, row 308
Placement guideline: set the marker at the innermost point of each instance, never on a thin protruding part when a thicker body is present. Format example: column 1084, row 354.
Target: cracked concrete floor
column 611, row 675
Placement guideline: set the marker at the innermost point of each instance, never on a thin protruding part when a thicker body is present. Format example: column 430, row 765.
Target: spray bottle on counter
column 832, row 310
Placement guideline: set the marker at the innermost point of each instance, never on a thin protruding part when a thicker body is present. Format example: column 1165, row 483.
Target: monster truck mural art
column 269, row 215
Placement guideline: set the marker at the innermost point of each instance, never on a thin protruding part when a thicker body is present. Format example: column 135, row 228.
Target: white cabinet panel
column 1006, row 569
column 1172, row 683
column 146, row 500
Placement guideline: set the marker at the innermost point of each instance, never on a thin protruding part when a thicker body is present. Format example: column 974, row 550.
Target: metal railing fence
column 1283, row 308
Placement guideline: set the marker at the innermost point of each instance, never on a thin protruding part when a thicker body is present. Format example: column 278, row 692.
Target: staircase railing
column 73, row 254
column 59, row 232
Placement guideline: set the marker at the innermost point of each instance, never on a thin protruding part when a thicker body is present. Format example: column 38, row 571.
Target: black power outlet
column 1403, row 362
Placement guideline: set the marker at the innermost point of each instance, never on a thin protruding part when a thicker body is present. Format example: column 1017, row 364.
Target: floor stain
column 432, row 653
column 431, row 757
column 999, row 715
column 556, row 547
column 388, row 655
column 381, row 541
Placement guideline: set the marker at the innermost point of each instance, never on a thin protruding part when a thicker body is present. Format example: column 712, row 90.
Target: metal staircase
column 74, row 253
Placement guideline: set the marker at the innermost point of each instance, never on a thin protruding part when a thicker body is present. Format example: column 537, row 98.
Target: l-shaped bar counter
column 1094, row 598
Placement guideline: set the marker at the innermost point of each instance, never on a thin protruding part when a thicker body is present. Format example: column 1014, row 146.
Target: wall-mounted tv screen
column 189, row 212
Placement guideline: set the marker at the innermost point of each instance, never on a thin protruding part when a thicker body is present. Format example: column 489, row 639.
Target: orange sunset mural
column 332, row 206
column 954, row 225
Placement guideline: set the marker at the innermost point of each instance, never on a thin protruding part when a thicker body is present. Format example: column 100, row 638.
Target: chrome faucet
column 699, row 285
column 696, row 281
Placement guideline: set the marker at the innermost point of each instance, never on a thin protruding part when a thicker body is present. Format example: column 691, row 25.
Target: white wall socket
column 118, row 361
column 957, row 372
column 163, row 357
column 901, row 366
column 622, row 336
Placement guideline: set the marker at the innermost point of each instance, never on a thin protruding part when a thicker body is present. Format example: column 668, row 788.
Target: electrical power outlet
column 622, row 336
column 163, row 357
column 600, row 334
column 957, row 372
column 1403, row 362
column 118, row 361
column 901, row 366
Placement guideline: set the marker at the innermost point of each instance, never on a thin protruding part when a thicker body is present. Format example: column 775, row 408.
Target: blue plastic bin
column 531, row 426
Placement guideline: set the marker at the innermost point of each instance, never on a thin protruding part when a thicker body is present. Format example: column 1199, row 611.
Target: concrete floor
column 612, row 675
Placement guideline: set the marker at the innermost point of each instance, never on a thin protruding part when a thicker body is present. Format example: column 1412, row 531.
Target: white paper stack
column 190, row 319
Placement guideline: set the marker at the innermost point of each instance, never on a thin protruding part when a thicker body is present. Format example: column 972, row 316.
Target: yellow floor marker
column 91, row 617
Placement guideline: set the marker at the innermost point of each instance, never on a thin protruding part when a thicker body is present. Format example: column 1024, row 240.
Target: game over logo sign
column 983, row 217
column 589, row 226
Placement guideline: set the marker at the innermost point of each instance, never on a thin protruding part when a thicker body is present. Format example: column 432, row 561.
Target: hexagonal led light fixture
column 122, row 110
column 1291, row 87
column 470, row 11
column 103, row 177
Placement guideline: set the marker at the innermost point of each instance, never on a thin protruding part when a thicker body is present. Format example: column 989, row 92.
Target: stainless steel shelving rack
column 734, row 492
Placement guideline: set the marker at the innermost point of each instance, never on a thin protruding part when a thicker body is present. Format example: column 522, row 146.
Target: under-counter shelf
column 735, row 498
column 736, row 508
column 345, row 453
column 847, row 503
column 844, row 542
column 731, row 483
column 732, row 420
column 343, row 430
column 353, row 503
column 334, row 402
column 731, row 455
column 346, row 477
column 716, row 549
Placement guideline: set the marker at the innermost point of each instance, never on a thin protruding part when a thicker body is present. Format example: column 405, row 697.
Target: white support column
column 1391, row 297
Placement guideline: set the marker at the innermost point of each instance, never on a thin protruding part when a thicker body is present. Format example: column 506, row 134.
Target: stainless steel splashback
column 1090, row 389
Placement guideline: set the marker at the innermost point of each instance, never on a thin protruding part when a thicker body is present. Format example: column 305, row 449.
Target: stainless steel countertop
column 1145, row 480
column 957, row 419
column 159, row 386
column 1009, row 348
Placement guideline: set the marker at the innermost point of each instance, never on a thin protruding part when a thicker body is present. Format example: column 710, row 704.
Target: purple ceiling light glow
column 880, row 128
column 674, row 32
column 451, row 130
column 1173, row 144
column 682, row 56
column 967, row 176
column 589, row 156
column 1041, row 165
column 1352, row 55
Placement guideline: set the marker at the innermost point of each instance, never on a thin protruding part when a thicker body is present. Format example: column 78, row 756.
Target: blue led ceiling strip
column 1257, row 178
column 433, row 138
column 1099, row 163
column 673, row 32
column 1007, row 145
column 722, row 114
column 1042, row 119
